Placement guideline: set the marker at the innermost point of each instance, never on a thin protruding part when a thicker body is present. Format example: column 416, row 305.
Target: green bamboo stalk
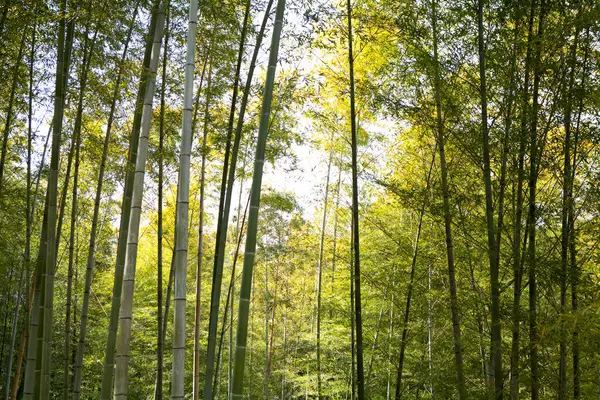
column 125, row 316
column 183, row 198
column 78, row 365
column 360, row 380
column 222, row 224
column 109, row 356
column 244, row 303
column 44, row 348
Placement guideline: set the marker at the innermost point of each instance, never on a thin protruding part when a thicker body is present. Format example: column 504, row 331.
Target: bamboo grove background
column 299, row 199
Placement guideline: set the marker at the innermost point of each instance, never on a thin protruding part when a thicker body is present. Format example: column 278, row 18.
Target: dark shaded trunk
column 446, row 211
column 222, row 223
column 360, row 374
column 516, row 243
column 566, row 217
column 496, row 378
column 533, row 170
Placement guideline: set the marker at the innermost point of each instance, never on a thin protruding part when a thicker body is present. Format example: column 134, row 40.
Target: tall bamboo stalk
column 30, row 206
column 244, row 303
column 360, row 374
column 411, row 281
column 533, row 169
column 109, row 355
column 87, row 55
column 460, row 380
column 516, row 246
column 320, row 268
column 125, row 317
column 567, row 200
column 183, row 198
column 44, row 351
column 91, row 260
column 160, row 345
column 222, row 224
column 496, row 378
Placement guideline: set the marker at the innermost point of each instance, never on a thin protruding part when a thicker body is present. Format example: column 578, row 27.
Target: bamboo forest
column 299, row 199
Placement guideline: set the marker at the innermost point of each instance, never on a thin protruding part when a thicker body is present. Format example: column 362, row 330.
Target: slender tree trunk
column 234, row 156
column 335, row 230
column 360, row 374
column 69, row 294
column 222, row 224
column 125, row 317
column 496, row 377
column 533, row 160
column 204, row 151
column 10, row 109
column 65, row 188
column 183, row 196
column 230, row 293
column 109, row 356
column 242, row 331
column 413, row 265
column 566, row 220
column 575, row 271
column 376, row 336
column 87, row 55
column 31, row 362
column 320, row 270
column 160, row 350
column 266, row 380
column 78, row 364
column 390, row 337
column 446, row 209
column 13, row 334
column 352, row 319
column 44, row 348
column 29, row 217
column 430, row 330
column 516, row 244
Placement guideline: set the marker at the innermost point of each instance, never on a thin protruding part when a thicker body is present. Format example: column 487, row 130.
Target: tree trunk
column 496, row 377
column 109, row 356
column 196, row 358
column 87, row 55
column 575, row 271
column 566, row 220
column 160, row 350
column 244, row 303
column 47, row 300
column 516, row 243
column 533, row 159
column 125, row 317
column 78, row 365
column 183, row 197
column 222, row 224
column 266, row 380
column 360, row 374
column 230, row 294
column 352, row 320
column 462, row 395
column 232, row 167
column 320, row 270
column 411, row 282
column 29, row 217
